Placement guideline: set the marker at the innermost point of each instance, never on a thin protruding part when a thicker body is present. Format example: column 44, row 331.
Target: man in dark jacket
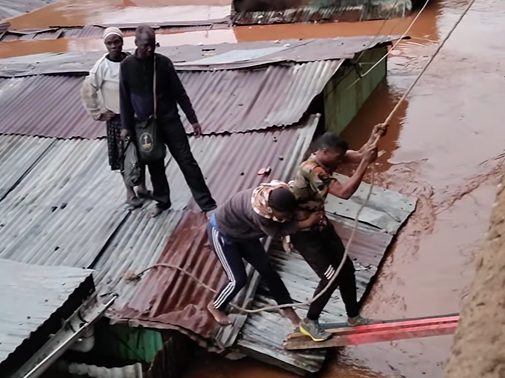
column 235, row 230
column 137, row 104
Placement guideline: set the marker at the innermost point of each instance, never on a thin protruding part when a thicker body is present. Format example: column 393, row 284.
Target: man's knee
column 348, row 266
column 240, row 282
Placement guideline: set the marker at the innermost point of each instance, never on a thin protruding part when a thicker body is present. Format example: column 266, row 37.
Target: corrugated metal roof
column 263, row 334
column 231, row 165
column 225, row 101
column 65, row 209
column 71, row 205
column 343, row 11
column 29, row 295
column 386, row 210
column 12, row 8
column 298, row 51
column 23, row 153
column 96, row 31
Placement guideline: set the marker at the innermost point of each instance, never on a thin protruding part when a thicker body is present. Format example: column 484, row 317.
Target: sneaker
column 358, row 321
column 313, row 329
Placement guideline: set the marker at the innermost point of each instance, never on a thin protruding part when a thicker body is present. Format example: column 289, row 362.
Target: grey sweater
column 237, row 220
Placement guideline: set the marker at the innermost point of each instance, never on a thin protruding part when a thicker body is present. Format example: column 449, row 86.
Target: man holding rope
column 235, row 230
column 319, row 244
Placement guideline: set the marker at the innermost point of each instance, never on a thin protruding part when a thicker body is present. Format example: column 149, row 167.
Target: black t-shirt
column 238, row 221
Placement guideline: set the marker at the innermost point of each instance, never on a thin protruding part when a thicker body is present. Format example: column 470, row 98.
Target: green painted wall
column 342, row 100
column 131, row 343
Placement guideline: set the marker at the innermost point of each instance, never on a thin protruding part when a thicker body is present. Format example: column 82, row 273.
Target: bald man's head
column 145, row 40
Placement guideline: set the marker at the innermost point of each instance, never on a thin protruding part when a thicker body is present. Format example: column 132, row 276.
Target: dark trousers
column 175, row 138
column 323, row 251
column 230, row 254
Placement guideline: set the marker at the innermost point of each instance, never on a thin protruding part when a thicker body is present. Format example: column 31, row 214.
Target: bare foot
column 218, row 315
column 291, row 315
column 156, row 211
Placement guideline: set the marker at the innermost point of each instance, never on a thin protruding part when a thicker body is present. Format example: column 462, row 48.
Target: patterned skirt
column 115, row 144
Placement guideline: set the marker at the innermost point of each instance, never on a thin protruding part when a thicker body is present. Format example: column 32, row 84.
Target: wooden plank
column 381, row 332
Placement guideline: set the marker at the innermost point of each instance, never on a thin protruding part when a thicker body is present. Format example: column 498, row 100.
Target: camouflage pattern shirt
column 311, row 187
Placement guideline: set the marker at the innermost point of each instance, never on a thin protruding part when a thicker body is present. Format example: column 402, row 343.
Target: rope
column 393, row 47
column 356, row 220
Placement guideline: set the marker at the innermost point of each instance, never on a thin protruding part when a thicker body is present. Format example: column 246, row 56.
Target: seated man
column 319, row 244
column 235, row 230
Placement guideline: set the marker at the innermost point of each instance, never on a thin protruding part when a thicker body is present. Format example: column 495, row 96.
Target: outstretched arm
column 127, row 111
column 179, row 91
column 355, row 157
column 348, row 188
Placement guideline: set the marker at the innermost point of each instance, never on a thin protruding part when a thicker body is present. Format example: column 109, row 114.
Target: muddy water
column 443, row 147
column 86, row 12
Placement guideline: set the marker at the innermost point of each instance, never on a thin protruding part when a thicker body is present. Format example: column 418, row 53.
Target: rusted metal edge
column 224, row 20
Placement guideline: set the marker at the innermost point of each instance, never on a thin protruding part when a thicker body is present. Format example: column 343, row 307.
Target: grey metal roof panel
column 386, row 209
column 96, row 31
column 29, row 295
column 12, row 8
column 68, row 206
column 21, row 152
column 185, row 56
column 225, row 101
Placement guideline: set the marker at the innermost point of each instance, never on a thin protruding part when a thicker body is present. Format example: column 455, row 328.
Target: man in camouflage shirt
column 319, row 244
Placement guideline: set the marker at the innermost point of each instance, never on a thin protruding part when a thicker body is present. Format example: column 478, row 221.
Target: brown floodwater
column 444, row 146
column 88, row 12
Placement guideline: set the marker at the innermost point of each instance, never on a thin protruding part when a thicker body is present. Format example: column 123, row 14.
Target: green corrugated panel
column 133, row 344
column 342, row 99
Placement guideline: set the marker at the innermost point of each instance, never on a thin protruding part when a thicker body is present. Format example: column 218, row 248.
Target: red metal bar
column 398, row 330
column 386, row 325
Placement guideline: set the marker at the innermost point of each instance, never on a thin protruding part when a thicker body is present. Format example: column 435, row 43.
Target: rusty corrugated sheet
column 225, row 101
